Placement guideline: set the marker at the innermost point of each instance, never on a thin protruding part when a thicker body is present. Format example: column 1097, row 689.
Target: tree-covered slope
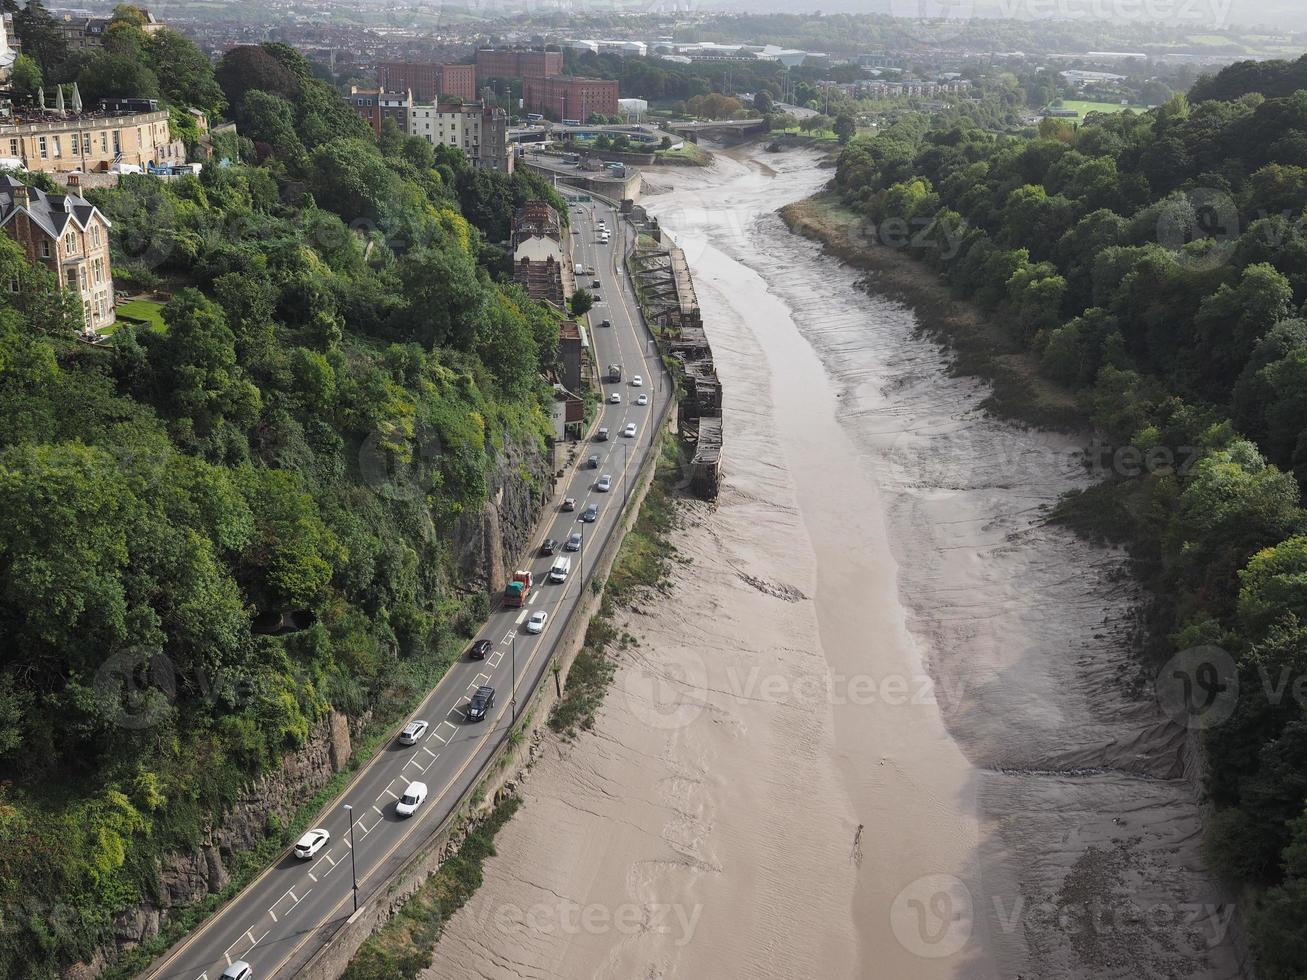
column 338, row 371
column 1157, row 263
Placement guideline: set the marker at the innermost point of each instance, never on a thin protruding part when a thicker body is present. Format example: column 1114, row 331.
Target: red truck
column 517, row 590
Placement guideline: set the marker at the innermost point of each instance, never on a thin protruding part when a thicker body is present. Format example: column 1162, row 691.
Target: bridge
column 722, row 129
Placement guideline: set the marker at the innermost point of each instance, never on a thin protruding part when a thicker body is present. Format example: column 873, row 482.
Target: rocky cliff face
column 488, row 542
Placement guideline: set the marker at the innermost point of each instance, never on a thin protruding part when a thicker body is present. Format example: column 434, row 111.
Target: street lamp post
column 626, row 476
column 513, row 692
column 352, row 867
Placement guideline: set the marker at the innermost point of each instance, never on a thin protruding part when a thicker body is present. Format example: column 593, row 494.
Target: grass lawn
column 1084, row 108
column 687, row 152
column 143, row 312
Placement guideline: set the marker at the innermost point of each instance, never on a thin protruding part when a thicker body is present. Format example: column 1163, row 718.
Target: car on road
column 311, row 843
column 413, row 731
column 549, row 547
column 596, row 284
column 413, row 797
column 482, row 700
column 606, row 323
column 615, row 398
column 629, row 431
column 569, row 503
column 604, row 484
column 602, row 434
column 480, row 650
column 591, row 514
column 536, row 624
column 573, row 541
column 593, row 462
column 642, row 400
column 240, row 970
column 637, row 381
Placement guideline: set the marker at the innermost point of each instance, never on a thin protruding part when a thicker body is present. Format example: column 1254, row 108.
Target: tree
column 41, row 38
column 246, row 68
column 845, row 126
column 185, row 74
column 582, row 302
column 112, row 75
column 762, row 101
column 26, row 77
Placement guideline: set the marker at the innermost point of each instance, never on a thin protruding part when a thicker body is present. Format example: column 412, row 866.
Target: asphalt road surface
column 285, row 914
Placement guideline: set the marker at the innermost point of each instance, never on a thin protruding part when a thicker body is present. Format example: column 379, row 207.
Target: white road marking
column 494, row 659
column 453, row 730
column 534, row 597
column 429, row 752
column 521, row 617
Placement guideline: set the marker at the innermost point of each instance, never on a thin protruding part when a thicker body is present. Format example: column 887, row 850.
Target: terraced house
column 68, row 235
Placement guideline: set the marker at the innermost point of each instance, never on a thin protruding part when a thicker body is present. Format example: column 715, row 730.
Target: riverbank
column 885, row 718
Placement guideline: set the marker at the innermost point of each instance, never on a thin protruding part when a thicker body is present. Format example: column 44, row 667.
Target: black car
column 596, row 284
column 549, row 547
column 591, row 514
column 592, row 463
column 482, row 701
column 602, row 434
column 606, row 323
column 480, row 649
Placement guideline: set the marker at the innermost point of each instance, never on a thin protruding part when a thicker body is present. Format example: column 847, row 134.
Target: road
column 278, row 921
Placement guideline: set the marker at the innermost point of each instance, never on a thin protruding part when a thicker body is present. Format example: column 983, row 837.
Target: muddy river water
column 886, row 723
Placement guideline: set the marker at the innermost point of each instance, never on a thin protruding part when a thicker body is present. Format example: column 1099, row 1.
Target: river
column 886, row 723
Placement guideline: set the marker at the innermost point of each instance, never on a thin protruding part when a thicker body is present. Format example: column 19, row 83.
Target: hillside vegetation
column 1157, row 263
column 338, row 374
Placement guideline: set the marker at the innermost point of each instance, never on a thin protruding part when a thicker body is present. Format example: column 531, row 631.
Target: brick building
column 516, row 63
column 481, row 132
column 570, row 97
column 428, row 83
column 66, row 234
column 374, row 105
column 87, row 33
column 89, row 141
column 542, row 253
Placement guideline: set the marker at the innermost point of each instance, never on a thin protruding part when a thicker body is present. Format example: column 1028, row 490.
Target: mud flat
column 885, row 721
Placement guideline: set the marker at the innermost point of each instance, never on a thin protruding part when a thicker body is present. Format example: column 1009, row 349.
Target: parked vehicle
column 413, row 797
column 562, row 565
column 481, row 702
column 413, row 731
column 311, row 843
column 516, row 591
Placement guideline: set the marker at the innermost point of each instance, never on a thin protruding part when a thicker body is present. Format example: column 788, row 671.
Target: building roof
column 50, row 212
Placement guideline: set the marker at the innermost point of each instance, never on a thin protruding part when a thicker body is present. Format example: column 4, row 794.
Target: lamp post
column 626, row 476
column 352, row 867
column 513, row 691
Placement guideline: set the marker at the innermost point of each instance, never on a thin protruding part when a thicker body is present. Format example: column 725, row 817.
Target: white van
column 580, row 269
column 562, row 565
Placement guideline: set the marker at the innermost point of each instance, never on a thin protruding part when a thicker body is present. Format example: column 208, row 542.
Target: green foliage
column 333, row 382
column 1148, row 260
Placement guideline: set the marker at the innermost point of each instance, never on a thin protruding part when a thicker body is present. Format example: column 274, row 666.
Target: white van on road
column 562, row 565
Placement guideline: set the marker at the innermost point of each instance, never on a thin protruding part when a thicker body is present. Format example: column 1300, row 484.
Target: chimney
column 20, row 196
column 75, row 183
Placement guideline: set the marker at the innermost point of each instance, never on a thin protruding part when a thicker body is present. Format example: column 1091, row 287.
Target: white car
column 240, row 970
column 642, row 400
column 605, row 483
column 629, row 431
column 536, row 624
column 413, row 731
column 408, row 804
column 615, row 398
column 636, row 381
column 312, row 842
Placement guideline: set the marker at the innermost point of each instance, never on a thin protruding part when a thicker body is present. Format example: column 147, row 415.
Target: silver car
column 605, row 483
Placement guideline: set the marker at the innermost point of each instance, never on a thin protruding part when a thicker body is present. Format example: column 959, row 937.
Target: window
column 117, row 146
column 40, row 142
column 70, row 278
column 86, row 144
column 45, row 248
column 70, row 244
column 57, row 151
column 13, row 148
column 81, row 277
column 13, row 284
column 104, row 142
column 95, row 235
column 99, row 270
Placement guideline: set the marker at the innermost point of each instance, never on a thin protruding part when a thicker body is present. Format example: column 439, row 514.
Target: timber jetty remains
column 666, row 290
